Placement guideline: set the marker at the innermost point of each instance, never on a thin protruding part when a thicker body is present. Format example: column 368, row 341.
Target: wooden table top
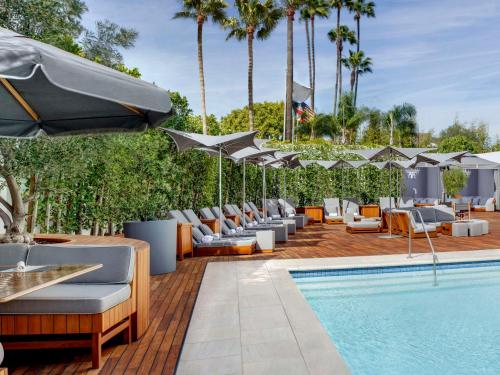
column 371, row 205
column 16, row 284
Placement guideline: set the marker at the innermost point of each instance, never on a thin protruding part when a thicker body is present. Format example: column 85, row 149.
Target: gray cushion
column 237, row 209
column 69, row 299
column 231, row 224
column 207, row 213
column 10, row 254
column 272, row 209
column 117, row 261
column 428, row 214
column 229, row 210
column 483, row 200
column 205, row 229
column 176, row 214
column 197, row 234
column 191, row 216
column 242, row 241
column 253, row 206
column 442, row 216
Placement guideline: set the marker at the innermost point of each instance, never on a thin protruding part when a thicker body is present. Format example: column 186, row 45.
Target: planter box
column 162, row 238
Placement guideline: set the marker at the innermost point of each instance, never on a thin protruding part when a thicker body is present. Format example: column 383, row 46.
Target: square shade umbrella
column 222, row 144
column 44, row 89
column 282, row 160
column 254, row 156
column 390, row 152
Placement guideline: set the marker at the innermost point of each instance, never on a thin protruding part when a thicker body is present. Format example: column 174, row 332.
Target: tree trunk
column 32, row 204
column 338, row 65
column 250, row 32
column 309, row 62
column 289, row 75
column 357, row 50
column 353, row 78
column 15, row 231
column 202, row 76
column 313, row 60
column 59, row 213
column 48, row 209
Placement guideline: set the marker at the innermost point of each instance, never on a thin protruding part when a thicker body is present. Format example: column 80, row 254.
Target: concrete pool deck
column 250, row 317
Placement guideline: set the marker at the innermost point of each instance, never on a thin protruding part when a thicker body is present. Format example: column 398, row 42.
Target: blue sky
column 442, row 56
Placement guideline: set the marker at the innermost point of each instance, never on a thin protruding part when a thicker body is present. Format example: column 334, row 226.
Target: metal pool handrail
column 435, row 259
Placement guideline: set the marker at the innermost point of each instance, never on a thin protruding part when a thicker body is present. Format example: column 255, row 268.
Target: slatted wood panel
column 173, row 297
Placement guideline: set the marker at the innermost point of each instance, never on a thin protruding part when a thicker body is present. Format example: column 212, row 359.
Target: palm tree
column 289, row 6
column 310, row 10
column 361, row 8
column 350, row 118
column 340, row 36
column 338, row 5
column 201, row 11
column 255, row 18
column 358, row 64
column 403, row 119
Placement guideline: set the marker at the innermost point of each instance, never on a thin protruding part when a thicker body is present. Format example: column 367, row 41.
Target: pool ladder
column 435, row 260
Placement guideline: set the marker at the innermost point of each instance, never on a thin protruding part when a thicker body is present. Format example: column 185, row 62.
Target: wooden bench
column 129, row 318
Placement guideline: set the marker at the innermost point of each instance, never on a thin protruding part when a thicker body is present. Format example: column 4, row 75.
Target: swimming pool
column 392, row 320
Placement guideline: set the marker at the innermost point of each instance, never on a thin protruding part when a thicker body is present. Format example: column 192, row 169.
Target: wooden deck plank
column 173, row 297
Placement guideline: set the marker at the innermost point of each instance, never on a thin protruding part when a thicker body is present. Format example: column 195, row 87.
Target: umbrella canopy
column 45, row 89
column 437, row 158
column 471, row 162
column 229, row 144
column 375, row 153
column 222, row 144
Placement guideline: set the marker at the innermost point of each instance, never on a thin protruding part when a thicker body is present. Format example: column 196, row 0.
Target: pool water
column 394, row 321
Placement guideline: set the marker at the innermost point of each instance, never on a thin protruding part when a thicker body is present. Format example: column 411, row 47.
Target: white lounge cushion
column 419, row 228
column 368, row 224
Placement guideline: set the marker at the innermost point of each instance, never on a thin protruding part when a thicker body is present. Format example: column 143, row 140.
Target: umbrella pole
column 263, row 191
column 220, row 192
column 284, row 189
column 390, row 194
column 244, row 191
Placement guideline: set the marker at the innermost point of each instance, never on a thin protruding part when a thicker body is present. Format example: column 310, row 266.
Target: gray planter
column 162, row 238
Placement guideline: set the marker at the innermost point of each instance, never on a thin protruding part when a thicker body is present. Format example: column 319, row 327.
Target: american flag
column 303, row 112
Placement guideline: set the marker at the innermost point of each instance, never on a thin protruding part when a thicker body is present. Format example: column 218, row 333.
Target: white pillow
column 232, row 231
column 276, row 216
column 332, row 214
column 207, row 239
column 239, row 229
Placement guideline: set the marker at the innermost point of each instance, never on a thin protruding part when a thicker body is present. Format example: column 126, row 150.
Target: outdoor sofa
column 477, row 203
column 86, row 311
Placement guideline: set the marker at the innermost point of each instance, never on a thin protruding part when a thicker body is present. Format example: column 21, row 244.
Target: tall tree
column 310, row 10
column 102, row 45
column 338, row 5
column 403, row 119
column 360, row 8
column 340, row 35
column 256, row 18
column 201, row 11
column 358, row 64
column 350, row 118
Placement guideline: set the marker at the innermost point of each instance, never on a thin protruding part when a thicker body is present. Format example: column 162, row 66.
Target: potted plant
column 454, row 181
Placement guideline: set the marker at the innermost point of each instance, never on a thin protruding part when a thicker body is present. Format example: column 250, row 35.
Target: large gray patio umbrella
column 45, row 89
column 221, row 144
column 390, row 152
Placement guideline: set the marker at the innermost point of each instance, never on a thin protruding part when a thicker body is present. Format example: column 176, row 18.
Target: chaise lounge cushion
column 243, row 241
column 176, row 214
column 364, row 224
column 205, row 229
column 69, row 299
column 117, row 261
column 10, row 254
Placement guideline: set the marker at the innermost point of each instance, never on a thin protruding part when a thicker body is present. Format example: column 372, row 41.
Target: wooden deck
column 173, row 297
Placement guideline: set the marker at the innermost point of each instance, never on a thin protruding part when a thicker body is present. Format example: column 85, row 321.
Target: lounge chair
column 349, row 206
column 406, row 203
column 478, row 203
column 280, row 230
column 426, row 202
column 363, row 226
column 184, row 234
column 386, row 203
column 331, row 208
column 258, row 216
column 273, row 211
column 409, row 224
column 289, row 209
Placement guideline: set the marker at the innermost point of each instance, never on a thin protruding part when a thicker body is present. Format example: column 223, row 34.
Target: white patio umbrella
column 390, row 151
column 222, row 144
